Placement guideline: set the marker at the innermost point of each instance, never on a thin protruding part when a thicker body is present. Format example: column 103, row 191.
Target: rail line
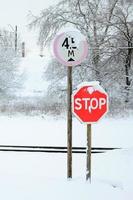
column 52, row 149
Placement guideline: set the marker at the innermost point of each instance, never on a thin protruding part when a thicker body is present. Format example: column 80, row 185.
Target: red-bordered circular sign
column 70, row 48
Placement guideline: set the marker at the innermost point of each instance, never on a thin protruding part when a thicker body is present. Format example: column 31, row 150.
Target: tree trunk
column 127, row 72
column 96, row 63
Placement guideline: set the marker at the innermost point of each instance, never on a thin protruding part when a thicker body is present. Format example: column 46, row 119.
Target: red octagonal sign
column 90, row 102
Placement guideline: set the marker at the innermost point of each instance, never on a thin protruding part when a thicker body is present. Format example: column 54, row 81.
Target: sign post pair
column 89, row 101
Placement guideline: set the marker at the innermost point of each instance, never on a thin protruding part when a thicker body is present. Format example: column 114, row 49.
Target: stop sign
column 90, row 102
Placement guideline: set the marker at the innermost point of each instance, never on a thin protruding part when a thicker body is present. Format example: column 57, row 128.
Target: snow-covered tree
column 106, row 27
column 89, row 16
column 9, row 60
column 118, row 58
column 124, row 38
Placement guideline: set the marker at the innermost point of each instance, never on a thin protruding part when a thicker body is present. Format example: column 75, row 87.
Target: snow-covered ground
column 26, row 176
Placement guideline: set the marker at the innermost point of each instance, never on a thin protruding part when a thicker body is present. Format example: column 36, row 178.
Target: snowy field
column 30, row 176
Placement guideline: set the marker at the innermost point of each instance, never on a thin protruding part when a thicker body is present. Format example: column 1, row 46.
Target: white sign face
column 70, row 48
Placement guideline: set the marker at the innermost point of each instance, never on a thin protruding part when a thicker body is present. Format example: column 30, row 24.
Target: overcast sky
column 14, row 12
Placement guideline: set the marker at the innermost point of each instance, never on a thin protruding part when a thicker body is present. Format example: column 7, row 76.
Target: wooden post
column 88, row 159
column 69, row 122
column 23, row 49
column 16, row 38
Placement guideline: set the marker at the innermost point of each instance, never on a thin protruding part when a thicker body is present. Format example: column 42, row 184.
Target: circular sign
column 70, row 48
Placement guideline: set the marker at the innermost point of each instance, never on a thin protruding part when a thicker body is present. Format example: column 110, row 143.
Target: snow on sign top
column 70, row 48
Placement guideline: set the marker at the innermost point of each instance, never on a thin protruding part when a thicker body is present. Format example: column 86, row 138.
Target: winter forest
column 108, row 27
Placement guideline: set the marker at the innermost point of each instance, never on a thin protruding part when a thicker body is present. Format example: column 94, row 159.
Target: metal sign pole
column 88, row 159
column 69, row 122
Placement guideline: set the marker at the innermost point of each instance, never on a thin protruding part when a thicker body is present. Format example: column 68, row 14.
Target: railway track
column 52, row 149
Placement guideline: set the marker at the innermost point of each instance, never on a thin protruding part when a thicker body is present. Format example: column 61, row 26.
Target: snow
column 92, row 86
column 59, row 190
column 93, row 83
column 43, row 176
column 33, row 66
column 47, row 130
